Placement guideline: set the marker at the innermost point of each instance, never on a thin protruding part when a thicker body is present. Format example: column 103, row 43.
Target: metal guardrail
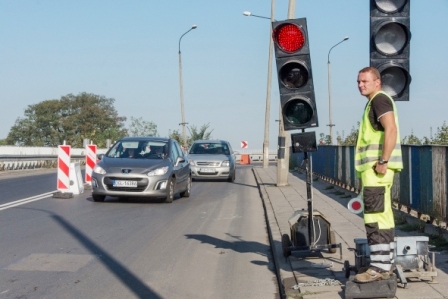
column 14, row 162
column 23, row 162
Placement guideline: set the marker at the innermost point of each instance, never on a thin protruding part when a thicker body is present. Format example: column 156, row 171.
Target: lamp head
column 194, row 27
column 346, row 38
column 247, row 13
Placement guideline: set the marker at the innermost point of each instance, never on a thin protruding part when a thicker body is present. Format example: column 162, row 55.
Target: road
column 211, row 245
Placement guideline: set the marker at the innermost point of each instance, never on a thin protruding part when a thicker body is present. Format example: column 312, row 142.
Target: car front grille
column 208, row 163
column 142, row 183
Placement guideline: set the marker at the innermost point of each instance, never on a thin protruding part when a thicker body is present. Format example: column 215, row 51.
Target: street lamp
column 268, row 90
column 331, row 125
column 183, row 123
column 249, row 14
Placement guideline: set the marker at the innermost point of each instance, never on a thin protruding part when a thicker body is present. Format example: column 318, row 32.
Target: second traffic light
column 295, row 80
column 390, row 37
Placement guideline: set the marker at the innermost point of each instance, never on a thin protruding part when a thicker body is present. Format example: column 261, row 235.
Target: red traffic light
column 289, row 37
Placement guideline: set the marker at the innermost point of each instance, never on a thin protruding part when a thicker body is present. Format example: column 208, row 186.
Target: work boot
column 371, row 275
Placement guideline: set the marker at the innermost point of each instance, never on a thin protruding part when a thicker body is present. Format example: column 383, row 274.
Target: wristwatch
column 381, row 161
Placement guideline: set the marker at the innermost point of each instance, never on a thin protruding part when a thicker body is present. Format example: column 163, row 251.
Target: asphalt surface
column 298, row 273
column 213, row 244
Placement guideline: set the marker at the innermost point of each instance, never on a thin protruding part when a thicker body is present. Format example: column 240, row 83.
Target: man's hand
column 380, row 168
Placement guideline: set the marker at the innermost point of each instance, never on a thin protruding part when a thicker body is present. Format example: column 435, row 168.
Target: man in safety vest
column 377, row 158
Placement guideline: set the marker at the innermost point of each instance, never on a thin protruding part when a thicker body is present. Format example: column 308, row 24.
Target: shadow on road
column 133, row 283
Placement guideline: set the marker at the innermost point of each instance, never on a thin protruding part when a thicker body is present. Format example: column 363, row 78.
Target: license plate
column 207, row 170
column 117, row 183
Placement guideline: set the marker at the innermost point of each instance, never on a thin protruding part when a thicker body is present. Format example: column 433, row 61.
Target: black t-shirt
column 381, row 104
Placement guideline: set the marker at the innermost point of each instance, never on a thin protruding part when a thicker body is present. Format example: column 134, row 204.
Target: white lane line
column 25, row 200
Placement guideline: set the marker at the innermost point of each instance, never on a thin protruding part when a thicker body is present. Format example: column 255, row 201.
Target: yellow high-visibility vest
column 369, row 146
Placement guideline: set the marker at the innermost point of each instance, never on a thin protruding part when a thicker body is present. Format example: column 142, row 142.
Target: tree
column 411, row 139
column 71, row 119
column 140, row 127
column 200, row 134
column 351, row 139
column 441, row 137
column 175, row 135
column 324, row 139
column 3, row 142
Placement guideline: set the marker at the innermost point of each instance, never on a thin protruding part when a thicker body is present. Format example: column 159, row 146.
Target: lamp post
column 268, row 89
column 331, row 125
column 183, row 123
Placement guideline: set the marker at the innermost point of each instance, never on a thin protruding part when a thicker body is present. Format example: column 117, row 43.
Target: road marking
column 25, row 200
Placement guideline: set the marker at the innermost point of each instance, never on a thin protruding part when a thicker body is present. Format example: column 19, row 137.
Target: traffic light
column 295, row 80
column 390, row 37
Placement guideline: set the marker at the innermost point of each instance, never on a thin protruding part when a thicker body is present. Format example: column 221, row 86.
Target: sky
column 128, row 51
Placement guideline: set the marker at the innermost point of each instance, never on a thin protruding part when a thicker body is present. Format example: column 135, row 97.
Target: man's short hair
column 374, row 71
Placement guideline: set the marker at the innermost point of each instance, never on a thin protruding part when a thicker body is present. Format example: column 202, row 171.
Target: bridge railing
column 421, row 186
column 21, row 157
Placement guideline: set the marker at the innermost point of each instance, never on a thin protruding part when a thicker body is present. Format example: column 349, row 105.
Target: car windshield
column 138, row 149
column 209, row 149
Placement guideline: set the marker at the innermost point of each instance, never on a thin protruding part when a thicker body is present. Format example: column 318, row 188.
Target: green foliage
column 71, row 118
column 140, row 127
column 441, row 137
column 198, row 134
column 175, row 135
column 3, row 142
column 324, row 139
column 411, row 139
column 351, row 139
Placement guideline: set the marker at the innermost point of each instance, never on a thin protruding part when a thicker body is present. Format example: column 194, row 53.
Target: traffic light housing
column 295, row 80
column 390, row 37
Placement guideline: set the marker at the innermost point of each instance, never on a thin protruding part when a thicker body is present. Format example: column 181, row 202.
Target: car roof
column 145, row 138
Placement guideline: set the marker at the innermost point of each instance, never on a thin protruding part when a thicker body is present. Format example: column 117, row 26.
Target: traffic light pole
column 283, row 163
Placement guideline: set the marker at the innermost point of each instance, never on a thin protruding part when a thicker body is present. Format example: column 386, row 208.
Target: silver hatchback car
column 212, row 159
column 142, row 167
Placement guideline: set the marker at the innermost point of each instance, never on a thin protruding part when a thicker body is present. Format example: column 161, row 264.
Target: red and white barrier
column 90, row 162
column 63, row 184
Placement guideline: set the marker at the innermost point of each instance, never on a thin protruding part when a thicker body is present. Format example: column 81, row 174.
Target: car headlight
column 191, row 162
column 225, row 163
column 158, row 171
column 98, row 169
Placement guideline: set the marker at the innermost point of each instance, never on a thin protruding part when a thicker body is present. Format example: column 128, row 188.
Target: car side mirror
column 180, row 160
column 100, row 156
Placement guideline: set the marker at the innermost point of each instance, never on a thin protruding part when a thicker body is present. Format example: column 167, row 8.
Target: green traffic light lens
column 298, row 112
column 289, row 37
column 293, row 75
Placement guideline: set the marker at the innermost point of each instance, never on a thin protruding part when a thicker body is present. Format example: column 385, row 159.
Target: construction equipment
column 411, row 255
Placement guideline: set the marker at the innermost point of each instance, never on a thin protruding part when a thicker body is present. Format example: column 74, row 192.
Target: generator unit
column 309, row 234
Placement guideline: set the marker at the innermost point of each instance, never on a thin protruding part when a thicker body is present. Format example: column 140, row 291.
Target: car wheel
column 231, row 178
column 187, row 191
column 98, row 197
column 170, row 191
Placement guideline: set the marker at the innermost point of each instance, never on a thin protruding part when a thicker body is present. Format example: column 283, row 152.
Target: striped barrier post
column 63, row 183
column 90, row 162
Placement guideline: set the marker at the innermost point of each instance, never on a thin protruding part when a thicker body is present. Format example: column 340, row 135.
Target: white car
column 212, row 159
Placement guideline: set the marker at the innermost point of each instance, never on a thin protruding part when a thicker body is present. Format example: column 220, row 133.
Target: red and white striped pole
column 63, row 184
column 90, row 162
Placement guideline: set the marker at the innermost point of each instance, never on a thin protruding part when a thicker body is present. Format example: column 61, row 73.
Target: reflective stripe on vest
column 369, row 146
